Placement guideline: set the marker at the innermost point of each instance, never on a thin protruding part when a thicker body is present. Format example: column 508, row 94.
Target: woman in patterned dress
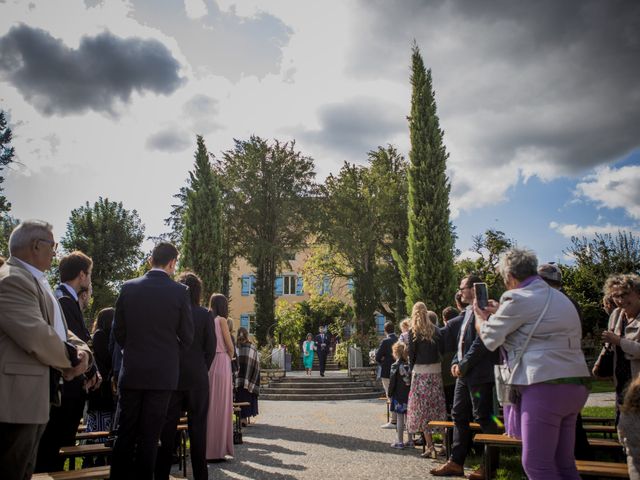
column 426, row 398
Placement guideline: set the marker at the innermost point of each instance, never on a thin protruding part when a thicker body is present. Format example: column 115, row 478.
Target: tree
column 7, row 224
column 489, row 246
column 428, row 273
column 112, row 236
column 596, row 259
column 7, row 152
column 202, row 224
column 270, row 189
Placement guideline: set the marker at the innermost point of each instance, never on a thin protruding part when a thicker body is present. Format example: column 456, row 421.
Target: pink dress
column 220, row 415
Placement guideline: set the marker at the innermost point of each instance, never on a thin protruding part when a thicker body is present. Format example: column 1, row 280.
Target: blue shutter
column 380, row 321
column 299, row 286
column 244, row 321
column 350, row 284
column 326, row 285
column 279, row 286
column 246, row 285
column 253, row 285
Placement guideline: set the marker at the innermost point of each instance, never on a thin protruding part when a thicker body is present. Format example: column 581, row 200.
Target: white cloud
column 574, row 230
column 613, row 188
column 468, row 255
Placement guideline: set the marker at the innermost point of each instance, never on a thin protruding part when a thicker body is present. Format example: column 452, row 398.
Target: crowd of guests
column 154, row 356
column 526, row 348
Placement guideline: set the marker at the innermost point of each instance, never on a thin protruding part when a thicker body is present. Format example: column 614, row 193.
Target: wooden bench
column 608, row 430
column 83, row 450
column 447, row 425
column 388, row 407
column 599, row 420
column 92, row 435
column 93, row 473
column 499, row 441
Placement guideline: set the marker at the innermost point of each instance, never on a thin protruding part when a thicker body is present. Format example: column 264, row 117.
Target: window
column 380, row 321
column 325, row 288
column 289, row 285
column 248, row 321
column 248, row 285
column 350, row 284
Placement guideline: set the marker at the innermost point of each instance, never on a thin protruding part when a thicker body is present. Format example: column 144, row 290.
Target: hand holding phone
column 482, row 294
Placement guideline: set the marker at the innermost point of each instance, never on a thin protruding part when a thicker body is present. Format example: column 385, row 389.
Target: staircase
column 334, row 386
column 330, row 365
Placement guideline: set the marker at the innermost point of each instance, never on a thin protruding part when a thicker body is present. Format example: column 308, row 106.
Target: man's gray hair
column 28, row 231
column 521, row 263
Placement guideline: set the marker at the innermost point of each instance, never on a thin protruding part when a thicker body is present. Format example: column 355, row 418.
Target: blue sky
column 540, row 102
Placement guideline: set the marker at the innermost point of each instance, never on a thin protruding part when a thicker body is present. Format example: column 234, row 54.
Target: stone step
column 315, row 384
column 315, row 391
column 316, row 379
column 319, row 397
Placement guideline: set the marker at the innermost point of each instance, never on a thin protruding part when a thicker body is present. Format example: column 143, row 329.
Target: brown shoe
column 478, row 474
column 448, row 469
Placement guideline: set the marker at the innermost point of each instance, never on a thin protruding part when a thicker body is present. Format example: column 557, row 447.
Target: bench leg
column 487, row 462
column 447, row 442
column 183, row 441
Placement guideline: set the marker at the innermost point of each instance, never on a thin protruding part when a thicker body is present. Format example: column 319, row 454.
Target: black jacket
column 152, row 322
column 75, row 323
column 384, row 355
column 196, row 360
column 102, row 398
column 476, row 364
column 425, row 352
column 399, row 384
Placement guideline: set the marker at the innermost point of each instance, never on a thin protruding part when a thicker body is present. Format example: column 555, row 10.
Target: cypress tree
column 428, row 274
column 202, row 234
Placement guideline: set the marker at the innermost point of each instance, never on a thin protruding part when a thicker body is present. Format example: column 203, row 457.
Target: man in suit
column 472, row 365
column 323, row 344
column 384, row 358
column 33, row 333
column 152, row 323
column 193, row 388
column 75, row 277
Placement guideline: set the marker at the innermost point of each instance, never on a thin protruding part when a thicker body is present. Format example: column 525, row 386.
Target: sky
column 539, row 101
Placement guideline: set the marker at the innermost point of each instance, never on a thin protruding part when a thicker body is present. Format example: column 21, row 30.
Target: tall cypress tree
column 202, row 233
column 428, row 273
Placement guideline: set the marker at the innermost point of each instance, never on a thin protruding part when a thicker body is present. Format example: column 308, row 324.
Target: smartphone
column 482, row 295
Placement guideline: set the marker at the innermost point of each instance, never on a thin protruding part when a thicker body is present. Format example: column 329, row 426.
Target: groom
column 323, row 343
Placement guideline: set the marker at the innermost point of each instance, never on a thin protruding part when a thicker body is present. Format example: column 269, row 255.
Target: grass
column 609, row 412
column 602, row 386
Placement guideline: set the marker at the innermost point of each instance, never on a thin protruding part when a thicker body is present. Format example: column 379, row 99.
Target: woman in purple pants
column 552, row 375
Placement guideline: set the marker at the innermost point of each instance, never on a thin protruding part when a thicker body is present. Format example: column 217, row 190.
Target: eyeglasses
column 54, row 245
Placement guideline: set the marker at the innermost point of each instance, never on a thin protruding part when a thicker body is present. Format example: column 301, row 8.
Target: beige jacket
column 630, row 344
column 28, row 346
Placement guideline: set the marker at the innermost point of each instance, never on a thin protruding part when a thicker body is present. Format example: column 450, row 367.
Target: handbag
column 604, row 366
column 507, row 393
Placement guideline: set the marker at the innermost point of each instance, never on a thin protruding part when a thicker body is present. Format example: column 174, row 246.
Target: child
column 628, row 431
column 399, row 385
column 405, row 325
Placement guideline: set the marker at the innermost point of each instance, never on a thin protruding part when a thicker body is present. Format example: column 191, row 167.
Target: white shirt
column 74, row 294
column 463, row 329
column 58, row 323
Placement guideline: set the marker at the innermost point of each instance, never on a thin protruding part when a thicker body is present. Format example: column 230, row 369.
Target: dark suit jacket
column 476, row 364
column 196, row 360
column 152, row 322
column 75, row 323
column 327, row 339
column 384, row 355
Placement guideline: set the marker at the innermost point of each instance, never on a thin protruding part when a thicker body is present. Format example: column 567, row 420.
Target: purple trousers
column 548, row 415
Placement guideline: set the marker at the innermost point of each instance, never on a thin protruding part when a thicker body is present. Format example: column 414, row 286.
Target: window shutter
column 252, row 282
column 380, row 321
column 244, row 321
column 246, row 285
column 350, row 284
column 299, row 286
column 279, row 286
column 326, row 285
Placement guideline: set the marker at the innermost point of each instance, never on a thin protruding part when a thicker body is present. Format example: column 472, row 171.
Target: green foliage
column 488, row 246
column 7, row 152
column 269, row 190
column 111, row 235
column 266, row 362
column 429, row 273
column 7, row 224
column 202, row 224
column 290, row 328
column 341, row 355
column 595, row 260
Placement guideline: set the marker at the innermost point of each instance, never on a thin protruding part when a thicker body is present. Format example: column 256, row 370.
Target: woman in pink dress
column 220, row 416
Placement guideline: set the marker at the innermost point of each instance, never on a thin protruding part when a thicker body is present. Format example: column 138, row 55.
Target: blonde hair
column 422, row 322
column 405, row 324
column 400, row 351
column 632, row 398
column 230, row 325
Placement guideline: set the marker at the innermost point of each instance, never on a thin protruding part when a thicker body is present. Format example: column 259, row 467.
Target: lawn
column 602, row 386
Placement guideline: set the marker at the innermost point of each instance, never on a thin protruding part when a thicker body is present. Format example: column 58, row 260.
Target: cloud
column 220, row 42
column 540, row 88
column 573, row 230
column 355, row 126
column 101, row 72
column 169, row 140
column 613, row 188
